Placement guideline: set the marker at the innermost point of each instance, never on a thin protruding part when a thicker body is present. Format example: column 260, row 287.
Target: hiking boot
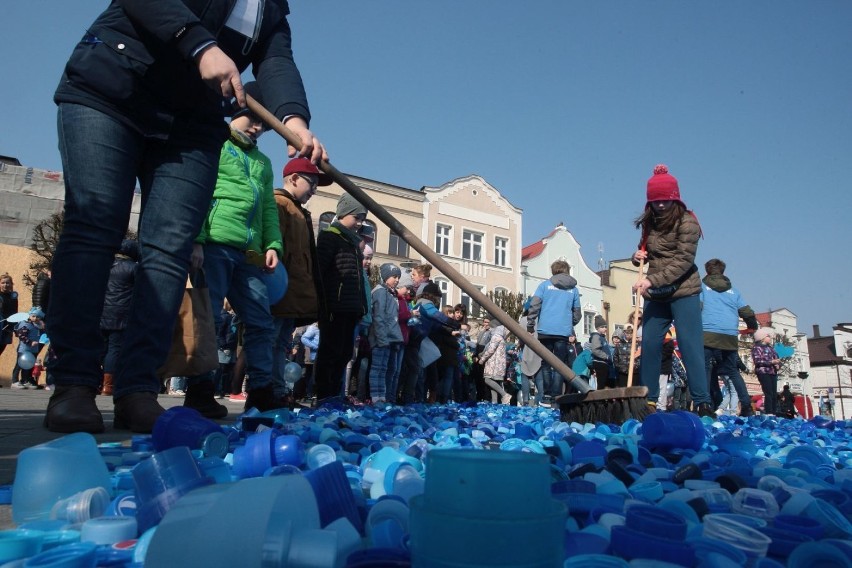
column 137, row 412
column 72, row 409
column 704, row 409
column 202, row 397
column 263, row 399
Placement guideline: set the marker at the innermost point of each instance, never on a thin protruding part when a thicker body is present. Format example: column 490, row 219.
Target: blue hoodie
column 555, row 306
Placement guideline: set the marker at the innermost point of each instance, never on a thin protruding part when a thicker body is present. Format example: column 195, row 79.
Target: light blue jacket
column 720, row 312
column 555, row 306
column 385, row 328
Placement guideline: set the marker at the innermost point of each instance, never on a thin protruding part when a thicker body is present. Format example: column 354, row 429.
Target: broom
column 612, row 406
column 616, row 403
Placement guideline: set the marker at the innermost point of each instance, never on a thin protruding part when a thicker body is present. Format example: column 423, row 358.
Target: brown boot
column 106, row 389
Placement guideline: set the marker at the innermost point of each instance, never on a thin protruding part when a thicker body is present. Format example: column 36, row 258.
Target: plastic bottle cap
column 19, row 543
column 108, row 530
column 77, row 555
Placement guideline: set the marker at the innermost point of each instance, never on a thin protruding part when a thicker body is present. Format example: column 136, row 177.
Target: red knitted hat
column 663, row 186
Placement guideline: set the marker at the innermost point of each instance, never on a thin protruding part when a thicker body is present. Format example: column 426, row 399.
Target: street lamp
column 525, row 274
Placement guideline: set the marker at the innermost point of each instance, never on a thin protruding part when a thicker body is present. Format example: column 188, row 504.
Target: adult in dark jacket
column 343, row 301
column 41, row 292
column 8, row 306
column 119, row 293
column 143, row 96
column 670, row 234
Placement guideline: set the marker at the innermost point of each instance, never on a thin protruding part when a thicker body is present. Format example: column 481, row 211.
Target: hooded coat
column 671, row 257
column 494, row 356
column 722, row 308
column 555, row 307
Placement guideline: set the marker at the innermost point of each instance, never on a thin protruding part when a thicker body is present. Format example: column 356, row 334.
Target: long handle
column 382, row 214
column 635, row 328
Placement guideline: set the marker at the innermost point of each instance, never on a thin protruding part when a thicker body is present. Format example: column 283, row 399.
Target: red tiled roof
column 764, row 319
column 535, row 249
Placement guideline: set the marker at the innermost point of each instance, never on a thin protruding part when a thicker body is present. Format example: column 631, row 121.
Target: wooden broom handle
column 635, row 328
column 406, row 235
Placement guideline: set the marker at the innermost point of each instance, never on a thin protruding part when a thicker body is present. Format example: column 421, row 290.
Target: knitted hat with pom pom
column 663, row 186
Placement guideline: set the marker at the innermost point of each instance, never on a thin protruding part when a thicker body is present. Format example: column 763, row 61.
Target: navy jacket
column 135, row 63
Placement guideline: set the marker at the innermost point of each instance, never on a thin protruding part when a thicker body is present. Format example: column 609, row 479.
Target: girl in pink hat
column 670, row 287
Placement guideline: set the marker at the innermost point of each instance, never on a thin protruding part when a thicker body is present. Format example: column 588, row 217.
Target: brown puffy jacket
column 671, row 255
column 297, row 231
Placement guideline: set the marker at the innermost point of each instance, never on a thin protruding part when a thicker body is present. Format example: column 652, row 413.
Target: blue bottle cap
column 816, row 554
column 215, row 444
column 5, row 494
column 800, row 524
column 108, row 530
column 656, row 521
column 77, row 555
column 19, row 543
column 629, row 543
column 783, row 541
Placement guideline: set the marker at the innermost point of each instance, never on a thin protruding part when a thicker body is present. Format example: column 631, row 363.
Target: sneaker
column 507, row 398
column 18, row 385
column 176, row 392
column 48, row 387
column 237, row 398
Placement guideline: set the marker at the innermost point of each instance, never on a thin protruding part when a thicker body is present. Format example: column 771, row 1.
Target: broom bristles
column 611, row 406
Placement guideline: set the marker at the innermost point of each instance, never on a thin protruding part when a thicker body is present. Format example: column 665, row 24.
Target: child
column 385, row 336
column 439, row 328
column 28, row 332
column 494, row 360
column 343, row 301
column 37, row 369
column 671, row 287
column 239, row 240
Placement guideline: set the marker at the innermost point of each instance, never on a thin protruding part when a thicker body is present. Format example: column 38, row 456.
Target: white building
column 831, row 369
column 560, row 244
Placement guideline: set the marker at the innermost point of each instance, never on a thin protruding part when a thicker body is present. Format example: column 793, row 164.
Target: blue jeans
column 229, row 275
column 559, row 347
column 656, row 319
column 112, row 347
column 725, row 366
column 102, row 159
column 538, row 378
column 281, row 352
column 384, row 372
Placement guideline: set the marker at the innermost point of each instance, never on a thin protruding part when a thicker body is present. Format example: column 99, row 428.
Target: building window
column 474, row 310
column 472, row 246
column 444, row 285
column 325, row 220
column 633, row 298
column 501, row 251
column 397, row 246
column 442, row 239
column 588, row 323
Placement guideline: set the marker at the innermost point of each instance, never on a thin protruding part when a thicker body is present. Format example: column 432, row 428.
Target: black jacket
column 122, row 277
column 342, row 284
column 135, row 63
column 41, row 292
column 8, row 306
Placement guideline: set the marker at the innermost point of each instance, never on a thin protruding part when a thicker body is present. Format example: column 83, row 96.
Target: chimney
column 816, row 330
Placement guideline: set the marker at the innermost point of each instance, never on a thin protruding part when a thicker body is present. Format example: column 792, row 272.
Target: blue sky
column 564, row 107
